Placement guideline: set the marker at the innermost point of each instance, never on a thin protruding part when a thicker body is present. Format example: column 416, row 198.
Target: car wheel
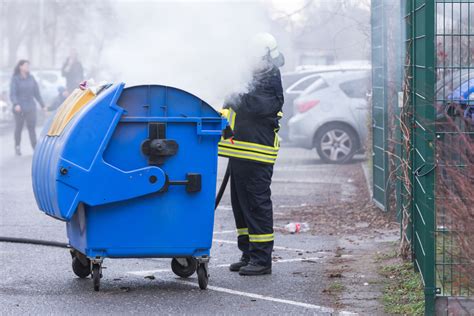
column 336, row 143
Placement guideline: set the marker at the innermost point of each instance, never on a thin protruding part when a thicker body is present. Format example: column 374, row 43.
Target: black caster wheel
column 96, row 275
column 203, row 276
column 184, row 271
column 80, row 269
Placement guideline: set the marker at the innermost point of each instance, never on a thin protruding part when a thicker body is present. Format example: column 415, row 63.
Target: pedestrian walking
column 73, row 71
column 24, row 91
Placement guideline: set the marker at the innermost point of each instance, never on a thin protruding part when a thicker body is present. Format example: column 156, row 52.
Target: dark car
column 455, row 95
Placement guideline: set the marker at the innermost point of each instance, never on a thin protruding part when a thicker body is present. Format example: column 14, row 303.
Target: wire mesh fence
column 454, row 182
column 433, row 144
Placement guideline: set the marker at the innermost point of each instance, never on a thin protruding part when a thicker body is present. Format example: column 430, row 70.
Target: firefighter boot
column 255, row 269
column 244, row 260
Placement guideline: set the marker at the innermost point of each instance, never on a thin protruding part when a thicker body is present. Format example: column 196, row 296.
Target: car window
column 317, row 85
column 302, row 84
column 290, row 79
column 355, row 89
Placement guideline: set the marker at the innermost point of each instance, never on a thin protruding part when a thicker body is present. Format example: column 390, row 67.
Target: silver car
column 49, row 80
column 331, row 115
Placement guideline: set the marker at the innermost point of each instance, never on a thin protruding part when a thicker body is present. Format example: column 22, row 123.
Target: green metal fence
column 386, row 83
column 434, row 141
column 380, row 168
column 420, row 66
column 454, row 180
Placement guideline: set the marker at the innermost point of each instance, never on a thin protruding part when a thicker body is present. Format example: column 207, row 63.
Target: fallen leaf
column 335, row 275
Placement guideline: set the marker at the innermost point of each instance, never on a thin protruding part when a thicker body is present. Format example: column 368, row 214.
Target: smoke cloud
column 202, row 48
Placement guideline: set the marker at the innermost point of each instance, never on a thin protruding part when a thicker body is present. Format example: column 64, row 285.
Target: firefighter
column 252, row 152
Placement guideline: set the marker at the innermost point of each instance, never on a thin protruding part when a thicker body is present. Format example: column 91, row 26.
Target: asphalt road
column 39, row 280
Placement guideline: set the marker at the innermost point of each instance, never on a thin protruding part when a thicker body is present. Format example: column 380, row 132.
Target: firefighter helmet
column 266, row 46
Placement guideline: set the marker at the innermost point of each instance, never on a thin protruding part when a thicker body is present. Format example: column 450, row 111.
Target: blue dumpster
column 132, row 171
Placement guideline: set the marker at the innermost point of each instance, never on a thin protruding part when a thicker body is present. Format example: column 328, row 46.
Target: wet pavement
column 39, row 280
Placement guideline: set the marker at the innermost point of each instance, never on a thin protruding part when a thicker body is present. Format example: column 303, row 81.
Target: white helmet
column 265, row 45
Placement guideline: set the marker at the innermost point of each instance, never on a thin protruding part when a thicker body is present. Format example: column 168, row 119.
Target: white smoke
column 200, row 47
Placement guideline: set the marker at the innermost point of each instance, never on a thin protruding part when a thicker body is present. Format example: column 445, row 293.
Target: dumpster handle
column 40, row 242
column 192, row 183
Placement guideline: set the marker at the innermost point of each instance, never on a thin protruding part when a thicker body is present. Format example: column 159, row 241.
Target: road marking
column 224, row 208
column 150, row 272
column 274, row 247
column 277, row 261
column 226, row 232
column 262, row 297
column 252, row 295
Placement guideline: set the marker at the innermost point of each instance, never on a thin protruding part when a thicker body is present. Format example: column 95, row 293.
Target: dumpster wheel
column 96, row 275
column 81, row 265
column 80, row 269
column 203, row 275
column 181, row 270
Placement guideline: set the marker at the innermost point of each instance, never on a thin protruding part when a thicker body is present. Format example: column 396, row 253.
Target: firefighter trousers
column 252, row 207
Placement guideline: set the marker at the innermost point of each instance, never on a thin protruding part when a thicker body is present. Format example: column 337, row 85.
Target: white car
column 332, row 115
column 49, row 80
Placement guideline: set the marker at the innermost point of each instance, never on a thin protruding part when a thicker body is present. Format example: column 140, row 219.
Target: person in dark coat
column 24, row 91
column 73, row 72
column 59, row 99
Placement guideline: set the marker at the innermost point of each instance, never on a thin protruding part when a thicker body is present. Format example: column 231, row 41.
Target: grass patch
column 403, row 293
column 386, row 255
column 334, row 288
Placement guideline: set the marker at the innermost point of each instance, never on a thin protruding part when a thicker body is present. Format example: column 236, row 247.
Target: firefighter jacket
column 254, row 118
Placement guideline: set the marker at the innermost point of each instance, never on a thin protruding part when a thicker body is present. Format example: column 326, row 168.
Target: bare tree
column 65, row 24
column 337, row 27
column 18, row 22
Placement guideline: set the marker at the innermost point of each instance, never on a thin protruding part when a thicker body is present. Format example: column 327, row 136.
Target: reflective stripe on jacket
column 254, row 120
column 248, row 150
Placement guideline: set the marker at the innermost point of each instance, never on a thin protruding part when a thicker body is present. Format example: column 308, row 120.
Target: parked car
column 5, row 81
column 49, row 80
column 295, row 83
column 5, row 109
column 454, row 94
column 331, row 114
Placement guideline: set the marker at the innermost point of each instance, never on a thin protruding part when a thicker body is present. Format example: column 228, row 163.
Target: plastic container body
column 117, row 199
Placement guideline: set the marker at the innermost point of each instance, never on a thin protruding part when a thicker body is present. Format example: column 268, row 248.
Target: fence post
column 421, row 25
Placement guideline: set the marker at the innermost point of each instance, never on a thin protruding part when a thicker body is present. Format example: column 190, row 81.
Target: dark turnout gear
column 252, row 151
column 255, row 269
column 244, row 260
column 252, row 207
column 254, row 119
